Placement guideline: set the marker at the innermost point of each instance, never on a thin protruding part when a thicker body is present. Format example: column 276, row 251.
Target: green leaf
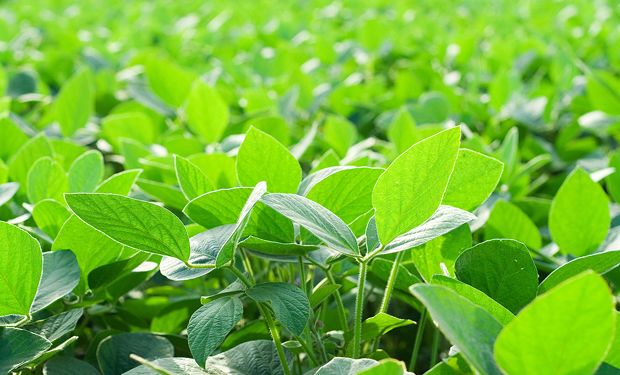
column 503, row 269
column 21, row 162
column 347, row 192
column 387, row 366
column 191, row 179
column 86, row 172
column 321, row 292
column 468, row 326
column 134, row 223
column 46, row 180
column 443, row 221
column 218, row 167
column 168, row 81
column 508, row 221
column 61, row 274
column 217, row 207
column 75, row 103
column 113, row 351
column 613, row 180
column 56, row 326
column 174, row 366
column 339, row 134
column 579, row 203
column 7, row 191
column 276, row 248
column 402, row 130
column 18, row 347
column 345, row 366
column 317, row 219
column 379, row 325
column 135, row 126
column 170, row 196
column 210, row 324
column 20, row 267
column 262, row 158
column 613, row 355
column 258, row 357
column 13, row 138
column 290, row 305
column 65, row 365
column 474, row 178
column 119, row 183
column 207, row 113
column 499, row 312
column 412, row 187
column 600, row 263
column 567, row 330
column 50, row 216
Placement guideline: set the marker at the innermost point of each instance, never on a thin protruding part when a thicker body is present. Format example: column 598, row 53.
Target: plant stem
column 359, row 306
column 302, row 275
column 241, row 276
column 435, row 347
column 390, row 282
column 309, row 350
column 342, row 315
column 418, row 340
column 276, row 338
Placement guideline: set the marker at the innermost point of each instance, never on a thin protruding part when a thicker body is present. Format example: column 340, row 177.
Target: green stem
column 241, row 276
column 390, row 282
column 359, row 306
column 205, row 266
column 418, row 341
column 247, row 264
column 340, row 310
column 276, row 338
column 302, row 275
column 435, row 347
column 308, row 350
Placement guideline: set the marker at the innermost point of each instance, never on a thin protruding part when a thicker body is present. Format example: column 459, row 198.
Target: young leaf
column 444, row 220
column 20, row 267
column 210, row 324
column 120, row 183
column 339, row 134
column 379, row 325
column 207, row 113
column 18, row 346
column 262, row 158
column 468, row 326
column 503, row 269
column 191, row 179
column 474, row 178
column 290, row 305
column 86, row 172
column 402, row 130
column 46, row 180
column 113, row 351
column 134, row 223
column 21, row 162
column 413, row 186
column 508, row 221
column 600, row 263
column 317, row 219
column 50, row 215
column 75, row 103
column 567, row 330
column 579, row 218
column 61, row 274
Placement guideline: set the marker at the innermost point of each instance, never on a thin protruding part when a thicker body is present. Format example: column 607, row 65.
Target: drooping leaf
column 315, row 218
column 210, row 324
column 503, row 269
column 262, row 158
column 134, row 223
column 18, row 347
column 290, row 305
column 600, row 263
column 207, row 113
column 86, row 172
column 113, row 351
column 192, row 181
column 75, row 103
column 579, row 203
column 20, row 267
column 413, row 186
column 61, row 274
column 468, row 326
column 577, row 316
column 46, row 180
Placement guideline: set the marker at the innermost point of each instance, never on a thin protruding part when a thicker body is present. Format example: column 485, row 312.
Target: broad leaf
column 600, row 263
column 503, row 269
column 379, row 325
column 217, row 207
column 113, row 351
column 577, row 316
column 7, row 191
column 508, row 221
column 191, row 179
column 120, row 183
column 387, row 366
column 276, row 248
column 50, row 215
column 75, row 103
column 345, row 366
column 579, row 203
column 207, row 113
column 339, row 133
column 290, row 305
column 18, row 347
column 61, row 274
column 56, row 326
column 86, row 172
column 262, row 158
column 210, row 324
column 185, row 366
column 20, row 267
column 65, row 365
column 21, row 162
column 46, row 179
column 256, row 357
column 134, row 223
column 413, row 186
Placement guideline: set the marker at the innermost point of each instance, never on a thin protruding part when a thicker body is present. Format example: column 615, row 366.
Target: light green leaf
column 402, row 130
column 61, row 274
column 169, row 195
column 508, row 221
column 474, row 178
column 503, row 269
column 443, row 221
column 21, row 162
column 113, row 351
column 468, row 326
column 289, row 303
column 50, row 216
column 168, row 81
column 134, row 223
column 86, row 172
column 613, row 180
column 46, row 180
column 207, row 113
column 20, row 267
column 192, row 181
column 276, row 248
column 567, row 330
column 579, row 203
column 119, row 183
column 217, row 207
column 321, row 292
column 387, row 366
column 600, row 263
column 75, row 102
column 13, row 138
column 613, row 355
column 412, row 187
column 7, row 191
column 135, row 126
column 317, row 219
column 18, row 347
column 210, row 324
column 218, row 167
column 379, row 325
column 339, row 133
column 258, row 357
column 499, row 312
column 262, row 158
column 345, row 366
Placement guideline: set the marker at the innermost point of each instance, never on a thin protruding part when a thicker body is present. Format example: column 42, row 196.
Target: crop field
column 313, row 187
